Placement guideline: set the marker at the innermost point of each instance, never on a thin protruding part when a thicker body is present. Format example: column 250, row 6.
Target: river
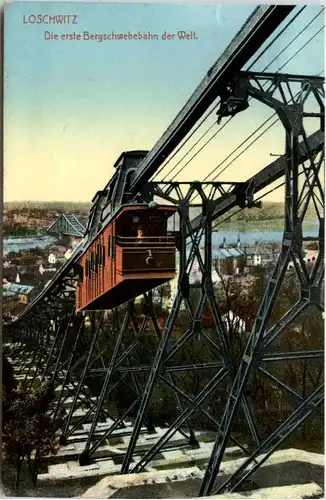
column 17, row 244
column 251, row 237
column 231, row 237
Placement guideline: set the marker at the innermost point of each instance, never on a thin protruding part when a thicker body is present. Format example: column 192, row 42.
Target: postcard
column 163, row 249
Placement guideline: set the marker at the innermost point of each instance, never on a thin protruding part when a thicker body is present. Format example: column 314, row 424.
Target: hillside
column 77, row 207
column 270, row 211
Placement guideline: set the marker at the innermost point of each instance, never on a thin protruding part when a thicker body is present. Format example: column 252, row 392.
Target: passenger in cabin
column 140, row 236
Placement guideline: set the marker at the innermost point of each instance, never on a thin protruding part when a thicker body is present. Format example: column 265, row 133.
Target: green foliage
column 21, row 231
column 270, row 211
column 27, row 431
column 41, row 208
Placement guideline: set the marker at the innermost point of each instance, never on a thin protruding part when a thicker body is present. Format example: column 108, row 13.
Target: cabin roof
column 144, row 206
column 137, row 152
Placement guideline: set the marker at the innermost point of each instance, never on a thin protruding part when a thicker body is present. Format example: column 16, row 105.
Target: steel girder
column 108, row 377
column 167, row 347
column 68, row 225
column 170, row 345
column 276, row 92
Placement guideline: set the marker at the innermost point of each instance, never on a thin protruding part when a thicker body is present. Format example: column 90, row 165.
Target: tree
column 27, row 431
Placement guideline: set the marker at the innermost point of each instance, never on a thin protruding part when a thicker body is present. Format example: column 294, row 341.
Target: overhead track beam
column 258, row 27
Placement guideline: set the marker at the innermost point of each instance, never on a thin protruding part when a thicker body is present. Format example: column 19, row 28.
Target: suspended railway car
column 130, row 256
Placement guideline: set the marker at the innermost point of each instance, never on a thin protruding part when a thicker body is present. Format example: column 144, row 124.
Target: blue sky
column 89, row 74
column 71, row 107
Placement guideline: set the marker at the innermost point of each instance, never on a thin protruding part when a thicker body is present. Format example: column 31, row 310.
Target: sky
column 72, row 106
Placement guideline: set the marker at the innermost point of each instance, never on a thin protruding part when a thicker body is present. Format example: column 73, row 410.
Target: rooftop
column 227, row 253
column 17, row 288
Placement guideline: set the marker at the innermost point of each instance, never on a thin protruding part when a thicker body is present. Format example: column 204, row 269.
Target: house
column 229, row 260
column 253, row 255
column 269, row 254
column 310, row 255
column 8, row 299
column 58, row 250
column 57, row 257
column 69, row 253
column 309, row 260
column 10, row 273
column 52, row 258
column 261, row 254
column 24, row 293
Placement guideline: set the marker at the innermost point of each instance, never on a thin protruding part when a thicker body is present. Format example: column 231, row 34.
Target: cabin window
column 103, row 255
column 100, row 255
column 80, row 272
column 109, row 246
column 97, row 257
column 111, row 250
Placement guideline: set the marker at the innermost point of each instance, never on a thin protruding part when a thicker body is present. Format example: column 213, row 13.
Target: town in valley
column 34, row 249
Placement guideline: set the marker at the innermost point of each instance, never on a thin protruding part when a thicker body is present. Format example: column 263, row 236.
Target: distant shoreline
column 260, row 225
column 25, row 239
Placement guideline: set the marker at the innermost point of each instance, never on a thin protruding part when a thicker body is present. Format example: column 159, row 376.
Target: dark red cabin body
column 130, row 256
